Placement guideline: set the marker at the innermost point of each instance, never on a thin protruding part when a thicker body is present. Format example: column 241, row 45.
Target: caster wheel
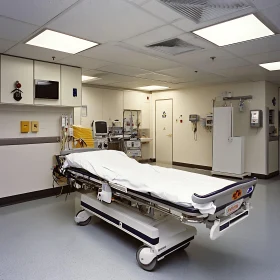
column 79, row 218
column 186, row 246
column 143, row 254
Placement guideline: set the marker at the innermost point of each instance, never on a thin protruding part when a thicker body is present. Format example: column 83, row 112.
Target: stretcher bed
column 154, row 204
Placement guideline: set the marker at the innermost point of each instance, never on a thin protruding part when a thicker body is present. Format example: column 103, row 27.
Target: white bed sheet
column 166, row 183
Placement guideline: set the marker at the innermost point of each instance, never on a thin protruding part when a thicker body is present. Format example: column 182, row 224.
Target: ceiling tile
column 195, row 58
column 32, row 52
column 272, row 14
column 218, row 63
column 244, row 71
column 120, row 55
column 84, row 62
column 36, row 12
column 14, row 30
column 189, row 25
column 261, row 4
column 264, row 57
column 187, row 74
column 105, row 20
column 267, row 44
column 90, row 72
column 160, row 77
column 158, row 9
column 179, row 72
column 123, row 70
column 109, row 78
column 5, row 45
column 138, row 2
column 154, row 36
column 139, row 83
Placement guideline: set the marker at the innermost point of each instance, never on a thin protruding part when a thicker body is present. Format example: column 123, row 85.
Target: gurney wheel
column 150, row 266
column 83, row 223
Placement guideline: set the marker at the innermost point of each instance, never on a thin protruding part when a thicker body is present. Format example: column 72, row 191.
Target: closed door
column 164, row 130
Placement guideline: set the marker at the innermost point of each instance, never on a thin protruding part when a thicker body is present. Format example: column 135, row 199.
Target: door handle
column 169, row 135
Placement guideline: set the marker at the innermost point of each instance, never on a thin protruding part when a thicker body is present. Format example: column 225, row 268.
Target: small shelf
column 145, row 140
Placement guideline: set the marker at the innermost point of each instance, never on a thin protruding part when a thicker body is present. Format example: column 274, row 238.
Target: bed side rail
column 227, row 194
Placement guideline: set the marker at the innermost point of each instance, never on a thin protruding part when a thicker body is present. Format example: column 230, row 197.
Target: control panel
column 256, row 118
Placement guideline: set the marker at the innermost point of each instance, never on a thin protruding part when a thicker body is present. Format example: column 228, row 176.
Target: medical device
column 100, row 128
column 143, row 201
column 66, row 132
column 209, row 120
column 194, row 120
column 100, row 132
column 131, row 142
column 132, row 147
column 256, row 118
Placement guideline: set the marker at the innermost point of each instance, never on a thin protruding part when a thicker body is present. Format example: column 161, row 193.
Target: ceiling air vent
column 174, row 46
column 204, row 10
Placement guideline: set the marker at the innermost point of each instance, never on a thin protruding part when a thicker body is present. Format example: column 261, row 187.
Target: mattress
column 168, row 184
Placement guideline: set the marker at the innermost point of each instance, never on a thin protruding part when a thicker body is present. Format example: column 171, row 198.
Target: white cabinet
column 71, row 86
column 16, row 69
column 49, row 72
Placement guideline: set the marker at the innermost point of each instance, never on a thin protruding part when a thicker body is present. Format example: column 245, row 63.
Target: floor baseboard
column 191, row 165
column 14, row 199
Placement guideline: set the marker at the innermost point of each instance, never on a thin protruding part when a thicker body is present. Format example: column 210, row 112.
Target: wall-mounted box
column 24, row 126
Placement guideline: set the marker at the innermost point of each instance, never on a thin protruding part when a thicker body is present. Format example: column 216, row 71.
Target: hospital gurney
column 162, row 225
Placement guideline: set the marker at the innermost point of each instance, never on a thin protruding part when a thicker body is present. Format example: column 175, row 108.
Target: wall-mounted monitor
column 46, row 89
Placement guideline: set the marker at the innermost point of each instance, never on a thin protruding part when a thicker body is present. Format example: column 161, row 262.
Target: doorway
column 164, row 131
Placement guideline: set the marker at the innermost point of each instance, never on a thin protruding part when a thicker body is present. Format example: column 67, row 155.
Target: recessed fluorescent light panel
column 272, row 66
column 151, row 88
column 89, row 78
column 60, row 42
column 235, row 31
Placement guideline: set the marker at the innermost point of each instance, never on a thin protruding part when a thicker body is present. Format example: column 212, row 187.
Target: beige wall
column 108, row 104
column 199, row 101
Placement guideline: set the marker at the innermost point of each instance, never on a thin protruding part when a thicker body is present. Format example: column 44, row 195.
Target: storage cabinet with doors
column 49, row 72
column 71, row 86
column 16, row 69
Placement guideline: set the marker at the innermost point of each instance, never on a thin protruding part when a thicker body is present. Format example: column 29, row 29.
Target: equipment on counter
column 100, row 132
column 131, row 123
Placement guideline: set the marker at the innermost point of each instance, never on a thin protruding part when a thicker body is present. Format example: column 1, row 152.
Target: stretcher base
column 160, row 237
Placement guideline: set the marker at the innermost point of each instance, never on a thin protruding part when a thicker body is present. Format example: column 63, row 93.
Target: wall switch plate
column 75, row 92
column 24, row 126
column 34, row 126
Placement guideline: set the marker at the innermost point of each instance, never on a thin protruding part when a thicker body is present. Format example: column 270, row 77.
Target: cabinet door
column 49, row 72
column 16, row 69
column 71, row 83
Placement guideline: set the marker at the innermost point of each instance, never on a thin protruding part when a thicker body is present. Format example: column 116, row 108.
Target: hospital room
column 139, row 139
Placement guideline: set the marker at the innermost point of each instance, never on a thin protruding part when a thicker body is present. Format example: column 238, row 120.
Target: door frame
column 163, row 99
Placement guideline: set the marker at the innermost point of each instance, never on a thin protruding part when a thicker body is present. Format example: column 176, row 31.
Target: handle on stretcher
column 220, row 227
column 201, row 199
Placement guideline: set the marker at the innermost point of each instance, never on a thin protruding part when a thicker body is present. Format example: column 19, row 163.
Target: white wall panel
column 71, row 78
column 50, row 72
column 26, row 168
column 48, row 118
column 16, row 69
